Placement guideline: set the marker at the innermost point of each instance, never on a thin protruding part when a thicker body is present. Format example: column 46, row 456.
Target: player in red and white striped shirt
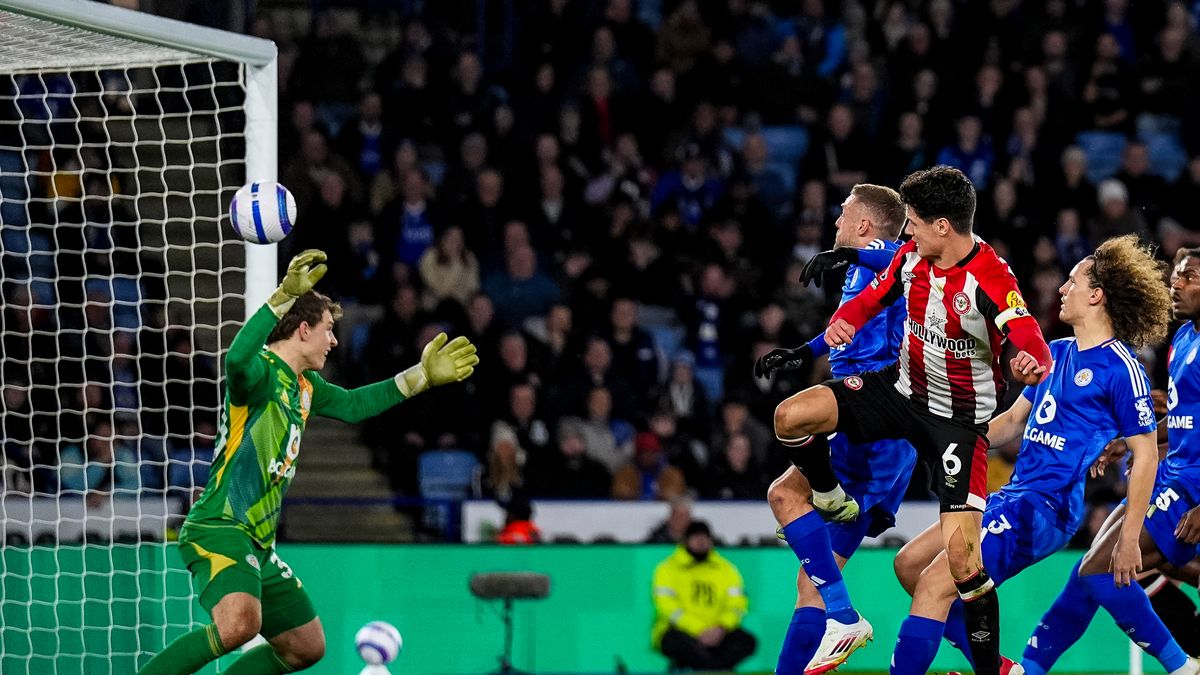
column 963, row 303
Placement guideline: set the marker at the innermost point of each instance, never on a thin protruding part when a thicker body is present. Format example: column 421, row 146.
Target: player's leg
column 1188, row 574
column 1176, row 610
column 805, row 630
column 295, row 637
column 806, row 534
column 922, row 631
column 869, row 410
column 957, row 455
column 1068, row 618
column 802, row 423
column 236, row 620
column 1127, row 604
column 288, row 652
column 916, row 555
column 910, row 563
column 1015, row 535
column 880, row 493
column 228, row 586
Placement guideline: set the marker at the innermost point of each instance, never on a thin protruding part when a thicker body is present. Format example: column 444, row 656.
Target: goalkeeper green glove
column 441, row 363
column 300, row 278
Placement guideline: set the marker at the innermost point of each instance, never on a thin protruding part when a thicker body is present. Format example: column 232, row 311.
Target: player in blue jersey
column 1095, row 391
column 873, row 476
column 1157, row 537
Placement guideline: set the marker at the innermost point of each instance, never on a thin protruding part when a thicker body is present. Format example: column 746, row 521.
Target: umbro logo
column 980, row 636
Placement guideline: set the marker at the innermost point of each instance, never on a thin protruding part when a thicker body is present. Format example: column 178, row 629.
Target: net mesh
column 121, row 286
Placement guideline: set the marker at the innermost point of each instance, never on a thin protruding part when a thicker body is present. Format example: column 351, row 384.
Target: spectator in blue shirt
column 689, row 189
column 521, row 291
column 972, row 153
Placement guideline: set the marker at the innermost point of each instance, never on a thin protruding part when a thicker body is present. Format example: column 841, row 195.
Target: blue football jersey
column 877, row 345
column 1182, row 463
column 1089, row 398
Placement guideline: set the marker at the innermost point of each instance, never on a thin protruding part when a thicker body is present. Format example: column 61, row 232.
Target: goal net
column 121, row 285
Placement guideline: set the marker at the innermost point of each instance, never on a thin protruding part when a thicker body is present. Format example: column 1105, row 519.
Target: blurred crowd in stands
column 614, row 198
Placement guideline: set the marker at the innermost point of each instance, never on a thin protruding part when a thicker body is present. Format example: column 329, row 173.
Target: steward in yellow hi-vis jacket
column 699, row 602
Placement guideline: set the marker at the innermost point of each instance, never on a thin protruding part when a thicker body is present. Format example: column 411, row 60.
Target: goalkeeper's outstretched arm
column 443, row 361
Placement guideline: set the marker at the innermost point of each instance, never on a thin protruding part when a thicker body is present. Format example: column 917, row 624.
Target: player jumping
column 962, row 302
column 228, row 538
column 874, row 476
column 1114, row 299
column 1129, row 541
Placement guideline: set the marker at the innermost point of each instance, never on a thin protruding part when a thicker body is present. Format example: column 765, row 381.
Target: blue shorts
column 876, row 475
column 1016, row 534
column 1168, row 502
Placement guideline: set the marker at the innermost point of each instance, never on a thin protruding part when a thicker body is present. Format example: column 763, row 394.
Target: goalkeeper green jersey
column 258, row 446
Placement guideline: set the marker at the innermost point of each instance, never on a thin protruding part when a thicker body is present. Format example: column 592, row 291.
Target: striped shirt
column 957, row 322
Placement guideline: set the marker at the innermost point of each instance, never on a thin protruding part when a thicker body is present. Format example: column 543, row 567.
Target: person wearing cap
column 699, row 602
column 648, row 476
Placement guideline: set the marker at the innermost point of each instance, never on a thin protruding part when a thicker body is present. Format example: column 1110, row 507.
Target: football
column 263, row 212
column 378, row 643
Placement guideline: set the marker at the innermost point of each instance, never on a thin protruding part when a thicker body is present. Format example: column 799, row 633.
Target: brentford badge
column 962, row 304
column 854, row 382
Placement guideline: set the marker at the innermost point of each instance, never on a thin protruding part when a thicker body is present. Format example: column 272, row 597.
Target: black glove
column 827, row 261
column 782, row 359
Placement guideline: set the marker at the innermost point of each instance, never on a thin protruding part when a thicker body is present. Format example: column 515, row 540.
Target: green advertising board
column 83, row 609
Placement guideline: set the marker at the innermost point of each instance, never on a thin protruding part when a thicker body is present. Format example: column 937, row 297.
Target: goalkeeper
column 228, row 539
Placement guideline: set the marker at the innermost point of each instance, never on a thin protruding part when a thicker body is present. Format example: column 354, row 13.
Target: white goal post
column 123, row 137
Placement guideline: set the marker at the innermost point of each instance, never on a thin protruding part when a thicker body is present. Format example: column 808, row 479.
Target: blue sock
column 916, row 645
column 810, row 542
column 956, row 630
column 1061, row 626
column 803, row 636
column 1131, row 609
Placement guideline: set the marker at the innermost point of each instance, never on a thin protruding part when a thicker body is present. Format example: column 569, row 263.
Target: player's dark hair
column 1137, row 300
column 309, row 308
column 1182, row 253
column 941, row 192
column 884, row 204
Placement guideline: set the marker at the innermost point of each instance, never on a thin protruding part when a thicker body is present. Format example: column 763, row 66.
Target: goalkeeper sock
column 262, row 660
column 188, row 653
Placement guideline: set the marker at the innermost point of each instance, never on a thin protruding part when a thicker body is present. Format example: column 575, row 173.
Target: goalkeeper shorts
column 226, row 560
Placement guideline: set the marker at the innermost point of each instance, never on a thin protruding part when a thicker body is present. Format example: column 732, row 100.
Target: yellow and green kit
column 228, row 538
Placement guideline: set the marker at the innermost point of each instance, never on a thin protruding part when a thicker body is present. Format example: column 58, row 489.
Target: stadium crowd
column 614, row 198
